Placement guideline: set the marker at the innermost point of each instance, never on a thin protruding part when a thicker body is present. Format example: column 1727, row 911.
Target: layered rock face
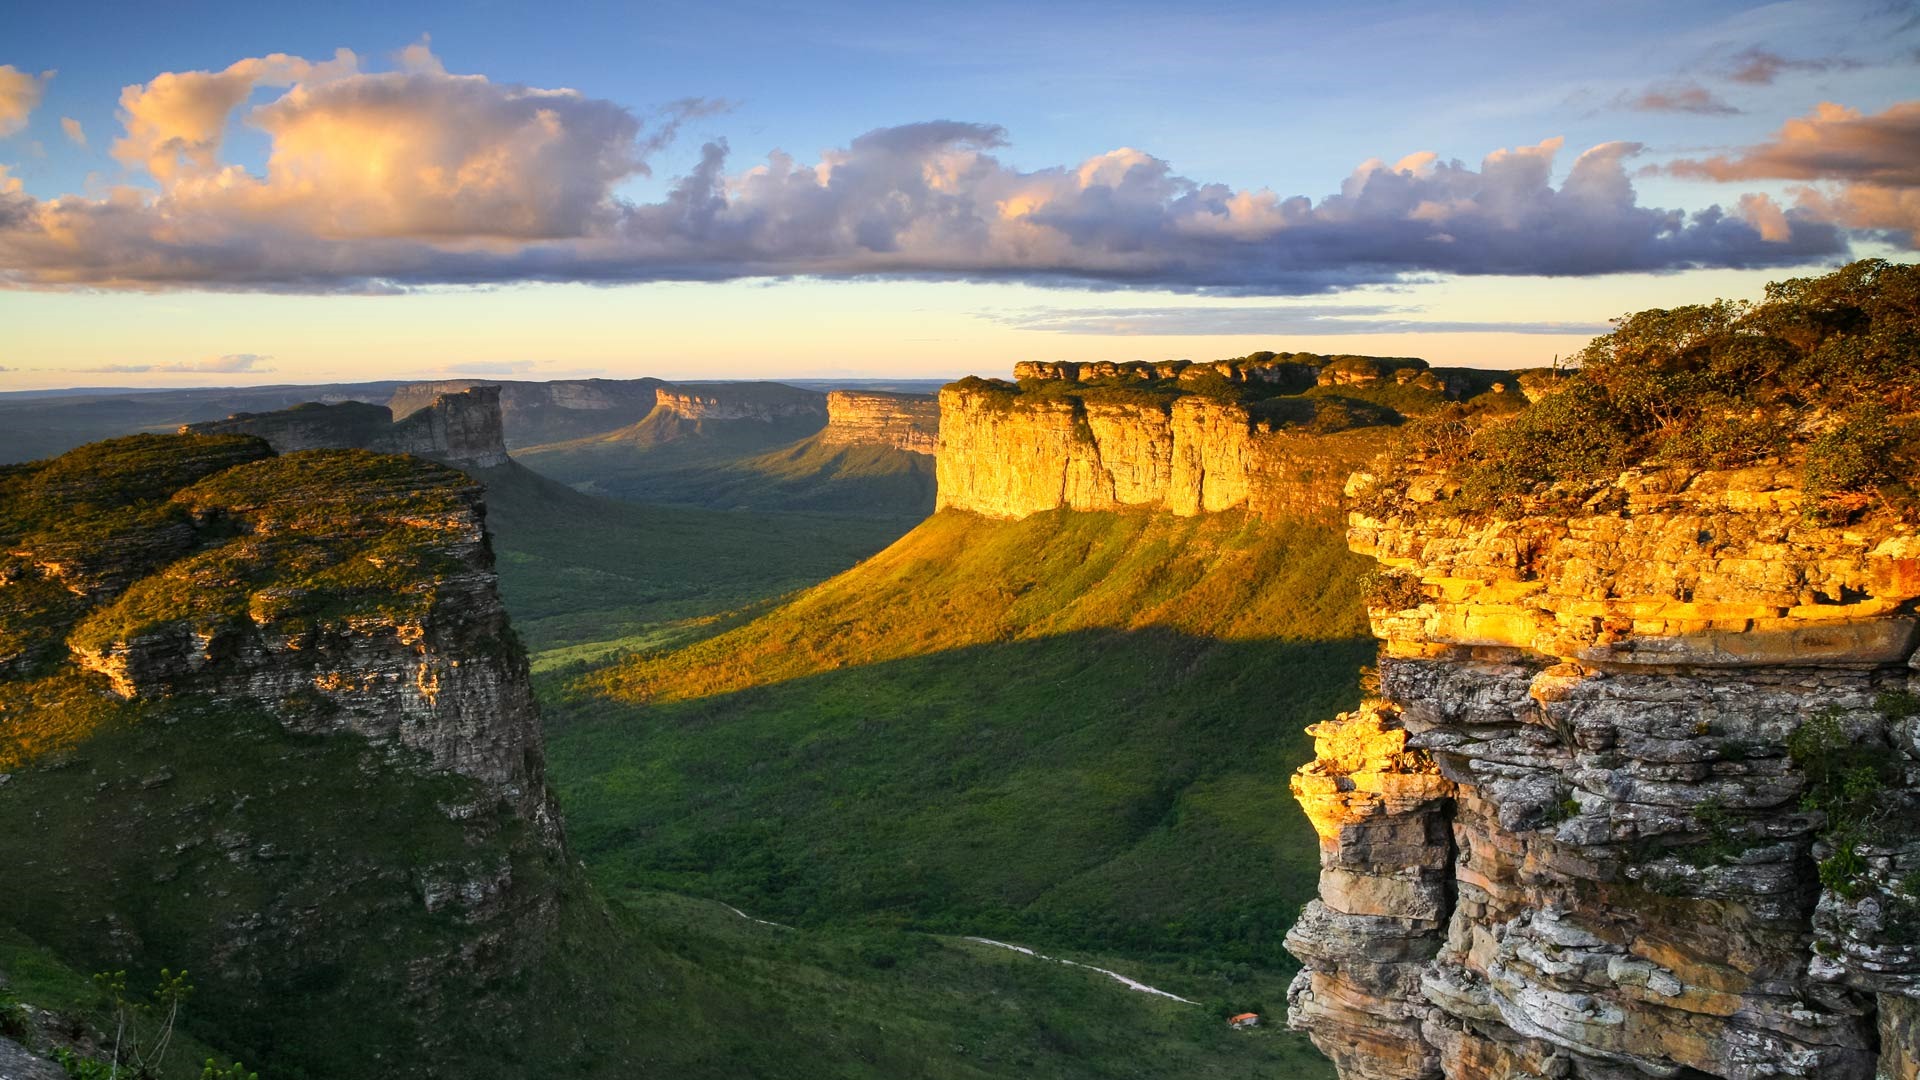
column 542, row 412
column 908, row 422
column 312, row 757
column 347, row 592
column 1637, row 796
column 463, row 429
column 1006, row 458
column 741, row 401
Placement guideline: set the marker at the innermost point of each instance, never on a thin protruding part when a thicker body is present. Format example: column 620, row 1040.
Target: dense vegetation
column 1071, row 730
column 1301, row 391
column 1820, row 375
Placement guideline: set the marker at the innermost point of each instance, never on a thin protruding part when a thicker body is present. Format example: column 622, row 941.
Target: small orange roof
column 1246, row 1016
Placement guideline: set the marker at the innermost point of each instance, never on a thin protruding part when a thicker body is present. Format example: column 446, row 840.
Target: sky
column 227, row 194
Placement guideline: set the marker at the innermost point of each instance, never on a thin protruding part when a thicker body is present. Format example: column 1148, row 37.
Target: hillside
column 749, row 446
column 218, row 662
column 262, row 718
column 1062, row 731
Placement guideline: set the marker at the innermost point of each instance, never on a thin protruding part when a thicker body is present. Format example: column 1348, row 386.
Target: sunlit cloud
column 1866, row 169
column 19, row 94
column 76, row 134
column 385, row 181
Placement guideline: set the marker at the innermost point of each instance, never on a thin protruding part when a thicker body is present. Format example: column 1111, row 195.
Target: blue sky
column 1286, row 98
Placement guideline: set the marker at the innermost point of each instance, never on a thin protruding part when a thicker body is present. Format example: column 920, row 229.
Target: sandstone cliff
column 762, row 401
column 533, row 413
column 908, row 422
column 1637, row 795
column 1005, row 454
column 463, row 429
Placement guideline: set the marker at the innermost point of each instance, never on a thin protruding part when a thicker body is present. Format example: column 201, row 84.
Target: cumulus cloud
column 1865, row 169
column 377, row 181
column 19, row 94
column 231, row 362
column 75, row 133
column 1241, row 321
column 1758, row 67
column 1686, row 97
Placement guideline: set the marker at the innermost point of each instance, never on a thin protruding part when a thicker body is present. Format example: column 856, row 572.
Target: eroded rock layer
column 763, row 401
column 1637, row 795
column 1004, row 457
column 908, row 422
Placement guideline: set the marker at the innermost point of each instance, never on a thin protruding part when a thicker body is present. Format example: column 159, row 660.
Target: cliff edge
column 262, row 716
column 1277, row 437
column 909, row 422
column 1637, row 793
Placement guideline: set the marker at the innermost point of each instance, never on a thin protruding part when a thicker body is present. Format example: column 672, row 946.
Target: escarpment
column 1002, row 455
column 263, row 717
column 909, row 422
column 762, row 401
column 462, row 429
column 1637, row 795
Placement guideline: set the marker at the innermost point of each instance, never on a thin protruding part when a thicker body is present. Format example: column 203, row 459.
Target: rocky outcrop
column 1004, row 456
column 908, row 422
column 349, row 593
column 312, row 757
column 533, row 413
column 763, row 401
column 463, row 429
column 1637, row 796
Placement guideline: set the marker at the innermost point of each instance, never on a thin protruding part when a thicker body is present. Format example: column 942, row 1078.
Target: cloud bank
column 1865, row 169
column 378, row 181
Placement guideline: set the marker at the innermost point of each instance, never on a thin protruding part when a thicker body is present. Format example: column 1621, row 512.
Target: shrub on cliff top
column 1824, row 372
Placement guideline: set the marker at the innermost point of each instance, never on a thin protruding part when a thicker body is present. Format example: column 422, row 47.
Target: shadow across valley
column 1120, row 790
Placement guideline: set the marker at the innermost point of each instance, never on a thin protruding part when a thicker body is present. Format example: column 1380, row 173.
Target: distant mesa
column 462, row 429
column 909, row 422
column 765, row 401
column 533, row 413
column 1276, row 434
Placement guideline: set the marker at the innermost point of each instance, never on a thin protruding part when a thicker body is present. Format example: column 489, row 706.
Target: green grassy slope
column 586, row 576
column 1074, row 730
column 740, row 465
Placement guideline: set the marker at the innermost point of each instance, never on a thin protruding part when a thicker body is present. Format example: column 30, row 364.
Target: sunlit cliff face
column 1362, row 769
